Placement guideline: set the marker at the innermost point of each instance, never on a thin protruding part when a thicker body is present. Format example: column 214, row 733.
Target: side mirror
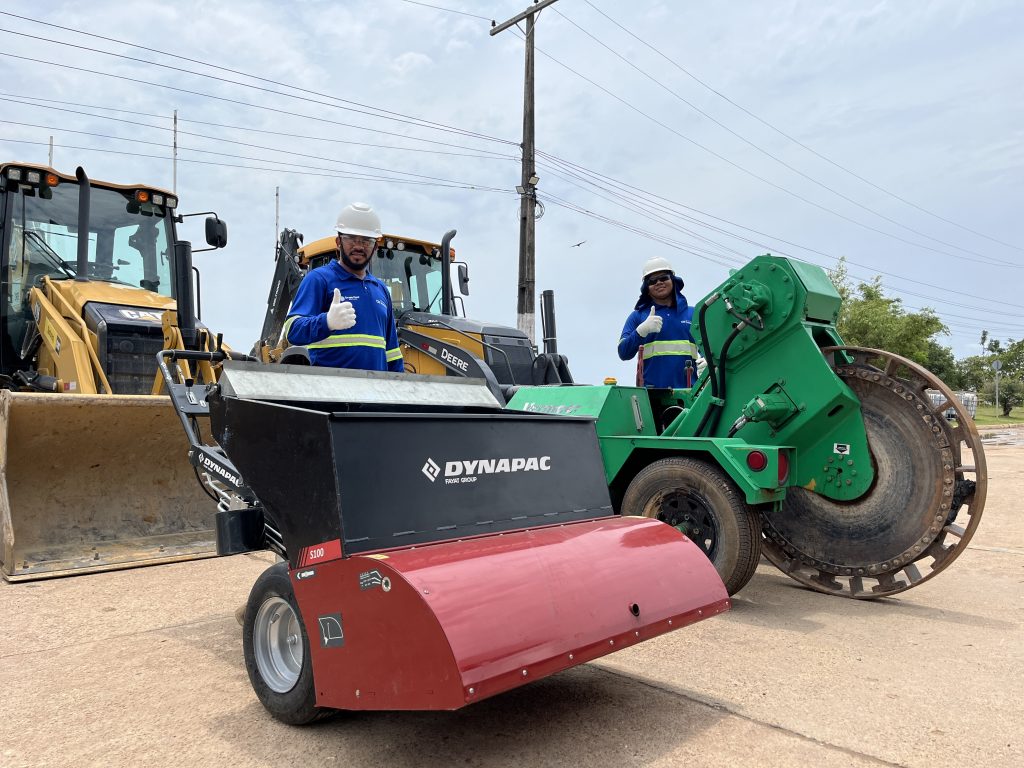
column 216, row 232
column 464, row 279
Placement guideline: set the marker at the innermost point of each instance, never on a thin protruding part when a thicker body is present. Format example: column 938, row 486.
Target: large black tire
column 702, row 502
column 276, row 649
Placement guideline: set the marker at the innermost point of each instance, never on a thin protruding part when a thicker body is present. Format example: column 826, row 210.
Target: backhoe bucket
column 441, row 553
column 95, row 483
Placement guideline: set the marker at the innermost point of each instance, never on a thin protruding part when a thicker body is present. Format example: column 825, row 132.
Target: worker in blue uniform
column 659, row 329
column 341, row 313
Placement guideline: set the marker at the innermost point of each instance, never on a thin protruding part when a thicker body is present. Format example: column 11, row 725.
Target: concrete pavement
column 144, row 667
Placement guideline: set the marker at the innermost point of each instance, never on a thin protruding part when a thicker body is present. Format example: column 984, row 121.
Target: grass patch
column 987, row 415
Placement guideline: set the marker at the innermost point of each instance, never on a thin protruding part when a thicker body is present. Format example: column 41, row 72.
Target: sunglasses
column 657, row 279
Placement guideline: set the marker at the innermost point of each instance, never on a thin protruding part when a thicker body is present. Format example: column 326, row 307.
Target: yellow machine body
column 90, row 475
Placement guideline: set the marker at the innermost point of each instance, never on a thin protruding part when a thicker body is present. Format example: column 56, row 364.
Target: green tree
column 869, row 318
column 942, row 363
column 1011, row 393
column 1012, row 358
column 974, row 372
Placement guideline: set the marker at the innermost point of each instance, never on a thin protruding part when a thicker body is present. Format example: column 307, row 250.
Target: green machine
column 831, row 461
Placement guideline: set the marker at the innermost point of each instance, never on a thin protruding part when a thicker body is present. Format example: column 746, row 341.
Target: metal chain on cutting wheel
column 924, row 506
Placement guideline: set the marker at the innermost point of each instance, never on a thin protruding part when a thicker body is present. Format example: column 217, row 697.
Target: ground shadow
column 583, row 711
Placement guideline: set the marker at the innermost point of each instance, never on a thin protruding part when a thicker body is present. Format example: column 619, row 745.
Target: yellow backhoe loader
column 94, row 284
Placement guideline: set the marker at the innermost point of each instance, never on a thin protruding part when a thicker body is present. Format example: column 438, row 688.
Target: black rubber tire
column 298, row 705
column 736, row 546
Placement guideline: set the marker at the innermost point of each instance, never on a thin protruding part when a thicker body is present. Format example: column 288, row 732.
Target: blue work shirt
column 371, row 344
column 666, row 352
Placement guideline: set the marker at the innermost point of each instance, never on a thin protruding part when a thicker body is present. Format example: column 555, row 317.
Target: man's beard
column 347, row 261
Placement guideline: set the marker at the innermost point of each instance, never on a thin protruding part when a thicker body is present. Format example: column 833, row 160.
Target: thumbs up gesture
column 651, row 325
column 342, row 314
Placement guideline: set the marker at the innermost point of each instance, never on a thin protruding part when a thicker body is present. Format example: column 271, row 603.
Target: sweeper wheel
column 276, row 649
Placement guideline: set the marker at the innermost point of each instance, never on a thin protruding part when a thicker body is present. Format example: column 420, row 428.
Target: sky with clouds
column 891, row 133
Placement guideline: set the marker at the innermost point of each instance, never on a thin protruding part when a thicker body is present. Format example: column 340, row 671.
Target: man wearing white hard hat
column 659, row 329
column 341, row 313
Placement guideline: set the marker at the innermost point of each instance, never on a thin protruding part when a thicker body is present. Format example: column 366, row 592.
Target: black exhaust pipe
column 547, row 322
column 447, row 301
column 183, row 292
column 84, row 192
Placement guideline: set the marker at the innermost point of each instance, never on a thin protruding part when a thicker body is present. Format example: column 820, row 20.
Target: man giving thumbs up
column 659, row 328
column 341, row 313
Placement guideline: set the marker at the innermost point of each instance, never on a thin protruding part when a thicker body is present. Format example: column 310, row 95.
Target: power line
column 796, row 141
column 865, row 280
column 258, row 159
column 386, row 113
column 447, row 10
column 636, row 207
column 271, row 149
column 219, row 98
column 761, row 178
column 209, row 138
column 31, row 101
column 761, row 149
column 304, row 170
column 771, row 237
column 562, row 203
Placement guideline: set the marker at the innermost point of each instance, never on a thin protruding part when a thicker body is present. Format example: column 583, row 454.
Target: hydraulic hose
column 709, row 358
column 723, row 356
column 714, row 411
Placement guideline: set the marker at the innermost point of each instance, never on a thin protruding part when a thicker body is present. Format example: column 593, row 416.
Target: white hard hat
column 358, row 219
column 657, row 264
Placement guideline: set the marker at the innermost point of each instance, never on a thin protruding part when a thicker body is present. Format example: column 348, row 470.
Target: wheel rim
column 690, row 514
column 277, row 643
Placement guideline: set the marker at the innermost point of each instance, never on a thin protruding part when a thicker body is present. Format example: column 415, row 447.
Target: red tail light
column 783, row 467
column 757, row 460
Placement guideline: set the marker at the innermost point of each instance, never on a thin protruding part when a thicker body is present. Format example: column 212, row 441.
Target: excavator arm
column 287, row 276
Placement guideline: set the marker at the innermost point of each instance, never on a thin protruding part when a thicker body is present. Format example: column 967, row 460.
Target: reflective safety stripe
column 658, row 348
column 349, row 340
column 393, row 354
column 287, row 327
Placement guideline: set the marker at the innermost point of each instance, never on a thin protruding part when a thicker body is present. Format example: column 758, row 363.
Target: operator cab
column 118, row 289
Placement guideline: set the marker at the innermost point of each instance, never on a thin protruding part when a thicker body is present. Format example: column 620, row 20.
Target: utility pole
column 50, row 163
column 277, row 217
column 525, row 307
column 174, row 162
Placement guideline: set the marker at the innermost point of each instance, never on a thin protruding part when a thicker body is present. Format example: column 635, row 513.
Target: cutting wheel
column 926, row 500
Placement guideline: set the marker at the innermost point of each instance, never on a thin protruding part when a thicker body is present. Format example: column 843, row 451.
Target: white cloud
column 411, row 61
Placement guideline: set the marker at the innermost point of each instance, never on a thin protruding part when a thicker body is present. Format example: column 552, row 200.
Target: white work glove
column 651, row 325
column 341, row 315
column 701, row 365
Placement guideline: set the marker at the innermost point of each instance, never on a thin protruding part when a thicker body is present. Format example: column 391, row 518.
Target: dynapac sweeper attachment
column 440, row 549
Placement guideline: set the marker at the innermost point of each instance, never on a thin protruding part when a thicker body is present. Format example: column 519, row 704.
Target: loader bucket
column 95, row 483
column 440, row 553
